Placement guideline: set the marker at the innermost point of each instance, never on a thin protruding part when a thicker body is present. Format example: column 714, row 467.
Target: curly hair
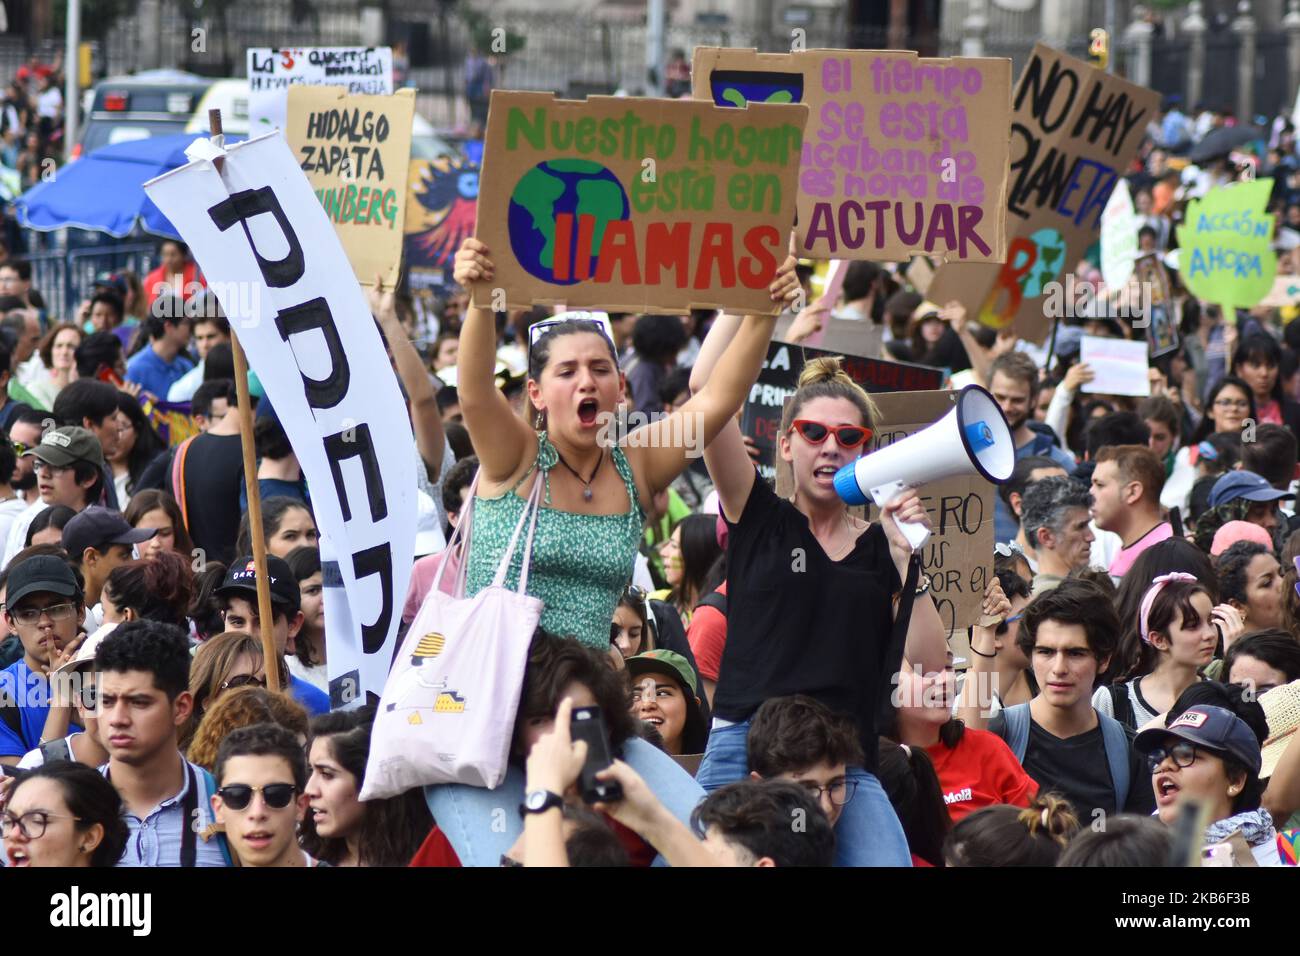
column 152, row 647
column 1232, row 567
column 243, row 707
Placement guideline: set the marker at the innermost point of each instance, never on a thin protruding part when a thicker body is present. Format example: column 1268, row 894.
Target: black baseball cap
column 1211, row 727
column 41, row 573
column 241, row 579
column 97, row 527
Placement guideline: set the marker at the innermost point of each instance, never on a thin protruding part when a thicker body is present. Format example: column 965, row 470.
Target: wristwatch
column 539, row 801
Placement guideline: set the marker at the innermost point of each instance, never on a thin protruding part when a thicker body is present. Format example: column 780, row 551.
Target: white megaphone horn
column 973, row 438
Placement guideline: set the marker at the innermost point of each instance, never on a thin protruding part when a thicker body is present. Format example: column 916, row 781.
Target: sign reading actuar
column 1073, row 131
column 958, row 557
column 636, row 205
column 903, row 154
column 355, row 151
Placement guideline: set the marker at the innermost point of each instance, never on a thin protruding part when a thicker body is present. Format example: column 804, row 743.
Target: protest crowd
column 749, row 656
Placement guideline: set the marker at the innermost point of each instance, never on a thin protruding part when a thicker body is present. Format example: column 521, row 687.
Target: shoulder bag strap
column 459, row 535
column 178, row 479
column 1017, row 719
column 530, row 511
column 1117, row 755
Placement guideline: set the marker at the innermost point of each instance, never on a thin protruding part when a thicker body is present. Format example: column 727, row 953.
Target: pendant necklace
column 586, row 482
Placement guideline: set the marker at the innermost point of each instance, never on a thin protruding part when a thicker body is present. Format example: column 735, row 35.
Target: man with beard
column 1013, row 380
column 26, row 429
column 11, row 504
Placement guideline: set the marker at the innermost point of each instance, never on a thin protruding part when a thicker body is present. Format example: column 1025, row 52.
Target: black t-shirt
column 214, row 476
column 1076, row 768
column 799, row 623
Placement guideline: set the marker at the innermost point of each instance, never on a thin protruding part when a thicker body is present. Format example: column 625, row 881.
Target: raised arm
column 429, row 436
column 501, row 438
column 726, row 457
column 666, row 451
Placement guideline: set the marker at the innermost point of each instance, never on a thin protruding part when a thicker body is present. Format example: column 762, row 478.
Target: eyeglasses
column 237, row 796
column 243, row 680
column 53, row 471
column 56, row 612
column 31, row 825
column 1183, row 754
column 840, row 792
column 849, row 436
column 1006, row 625
column 1231, row 403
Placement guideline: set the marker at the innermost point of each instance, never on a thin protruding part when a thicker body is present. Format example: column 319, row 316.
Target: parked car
column 141, row 106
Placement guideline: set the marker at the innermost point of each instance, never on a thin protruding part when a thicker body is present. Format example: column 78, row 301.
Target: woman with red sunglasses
column 810, row 591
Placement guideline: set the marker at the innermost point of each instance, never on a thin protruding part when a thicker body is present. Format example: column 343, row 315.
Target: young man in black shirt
column 1069, row 634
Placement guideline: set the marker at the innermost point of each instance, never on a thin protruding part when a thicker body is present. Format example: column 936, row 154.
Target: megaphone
column 973, row 438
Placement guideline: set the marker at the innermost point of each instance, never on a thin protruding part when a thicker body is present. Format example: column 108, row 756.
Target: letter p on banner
column 258, row 224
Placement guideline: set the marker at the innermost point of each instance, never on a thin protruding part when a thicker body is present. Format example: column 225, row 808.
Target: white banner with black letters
column 275, row 263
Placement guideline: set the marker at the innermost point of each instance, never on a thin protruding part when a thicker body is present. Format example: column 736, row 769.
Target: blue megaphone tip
column 846, row 485
column 979, row 436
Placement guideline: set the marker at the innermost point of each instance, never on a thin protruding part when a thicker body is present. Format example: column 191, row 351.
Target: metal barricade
column 84, row 264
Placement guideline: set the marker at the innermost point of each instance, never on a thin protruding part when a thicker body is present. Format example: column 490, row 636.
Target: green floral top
column 581, row 563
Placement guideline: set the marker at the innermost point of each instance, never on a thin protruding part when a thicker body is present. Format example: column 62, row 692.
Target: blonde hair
column 214, row 659
column 826, row 378
column 1050, row 816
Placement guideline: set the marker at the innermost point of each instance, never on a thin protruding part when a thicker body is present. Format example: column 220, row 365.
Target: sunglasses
column 243, row 680
column 849, row 436
column 539, row 330
column 635, row 593
column 237, row 796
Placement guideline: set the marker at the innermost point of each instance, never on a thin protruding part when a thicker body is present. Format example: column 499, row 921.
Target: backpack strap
column 1116, row 737
column 714, row 600
column 178, row 478
column 1121, row 705
column 1017, row 719
column 190, row 819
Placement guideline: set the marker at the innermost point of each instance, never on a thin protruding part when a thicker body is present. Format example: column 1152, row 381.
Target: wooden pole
column 269, row 653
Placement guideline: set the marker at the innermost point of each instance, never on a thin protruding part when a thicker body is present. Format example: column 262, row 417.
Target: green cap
column 63, row 446
column 663, row 662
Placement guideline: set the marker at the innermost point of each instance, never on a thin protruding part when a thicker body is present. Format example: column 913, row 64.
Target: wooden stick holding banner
column 269, row 653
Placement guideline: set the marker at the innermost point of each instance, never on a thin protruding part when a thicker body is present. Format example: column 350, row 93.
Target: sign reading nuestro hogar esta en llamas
column 636, row 205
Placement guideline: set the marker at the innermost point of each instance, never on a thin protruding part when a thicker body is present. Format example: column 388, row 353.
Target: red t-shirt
column 979, row 772
column 707, row 635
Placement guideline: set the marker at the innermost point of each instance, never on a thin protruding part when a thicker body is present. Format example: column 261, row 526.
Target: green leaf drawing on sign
column 1227, row 245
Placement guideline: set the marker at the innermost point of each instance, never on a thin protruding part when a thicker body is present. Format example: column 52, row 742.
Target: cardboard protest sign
column 636, row 205
column 903, row 154
column 1073, row 132
column 761, row 417
column 958, row 557
column 1285, row 291
column 1226, row 246
column 441, row 203
column 355, row 151
column 359, row 69
column 840, row 336
column 1119, row 242
column 269, row 253
column 1120, row 366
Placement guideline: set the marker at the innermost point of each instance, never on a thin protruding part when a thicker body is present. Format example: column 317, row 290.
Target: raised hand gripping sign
column 262, row 237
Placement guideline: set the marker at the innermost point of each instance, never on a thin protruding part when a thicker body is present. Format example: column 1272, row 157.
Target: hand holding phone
column 588, row 724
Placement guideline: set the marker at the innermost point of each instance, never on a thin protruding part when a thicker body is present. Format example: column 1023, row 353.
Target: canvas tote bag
column 447, row 713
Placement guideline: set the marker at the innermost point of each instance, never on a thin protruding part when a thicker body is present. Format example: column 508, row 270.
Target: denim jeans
column 868, row 832
column 483, row 824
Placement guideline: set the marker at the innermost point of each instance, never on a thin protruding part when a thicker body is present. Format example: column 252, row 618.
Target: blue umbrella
column 102, row 191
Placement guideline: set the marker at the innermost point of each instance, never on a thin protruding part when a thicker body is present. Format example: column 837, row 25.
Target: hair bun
column 829, row 368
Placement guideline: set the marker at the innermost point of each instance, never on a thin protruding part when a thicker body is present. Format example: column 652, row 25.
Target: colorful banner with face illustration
column 902, row 154
column 1073, row 132
column 441, row 203
column 636, row 205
